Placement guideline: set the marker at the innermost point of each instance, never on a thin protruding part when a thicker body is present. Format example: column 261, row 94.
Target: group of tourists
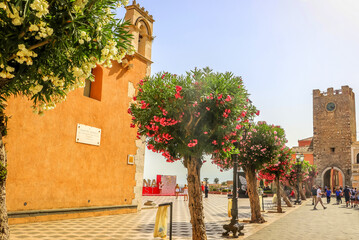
column 351, row 196
column 185, row 192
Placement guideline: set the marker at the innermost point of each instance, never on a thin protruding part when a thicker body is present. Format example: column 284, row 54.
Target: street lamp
column 299, row 159
column 234, row 226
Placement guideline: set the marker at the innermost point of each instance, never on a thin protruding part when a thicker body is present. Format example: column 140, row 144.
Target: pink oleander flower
column 220, row 96
column 257, row 113
column 178, row 95
column 132, row 125
column 192, row 143
column 208, row 108
column 228, row 99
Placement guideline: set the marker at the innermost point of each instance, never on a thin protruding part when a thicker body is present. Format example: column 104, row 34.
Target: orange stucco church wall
column 47, row 169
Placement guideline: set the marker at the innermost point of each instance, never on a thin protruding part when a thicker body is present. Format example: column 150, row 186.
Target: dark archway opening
column 331, row 179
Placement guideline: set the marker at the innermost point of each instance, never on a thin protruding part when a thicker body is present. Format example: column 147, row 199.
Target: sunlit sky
column 283, row 49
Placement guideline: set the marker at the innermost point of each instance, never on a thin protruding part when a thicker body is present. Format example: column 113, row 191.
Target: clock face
column 330, row 107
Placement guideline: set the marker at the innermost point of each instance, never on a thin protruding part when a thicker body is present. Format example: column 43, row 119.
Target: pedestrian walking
column 185, row 193
column 328, row 193
column 352, row 196
column 346, row 195
column 314, row 195
column 338, row 194
column 319, row 198
column 206, row 191
column 177, row 190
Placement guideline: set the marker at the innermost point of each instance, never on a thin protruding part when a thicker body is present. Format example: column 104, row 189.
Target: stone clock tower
column 334, row 129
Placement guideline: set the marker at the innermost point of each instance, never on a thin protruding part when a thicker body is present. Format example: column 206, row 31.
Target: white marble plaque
column 88, row 135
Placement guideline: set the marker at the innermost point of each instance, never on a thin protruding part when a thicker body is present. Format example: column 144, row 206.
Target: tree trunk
column 308, row 190
column 285, row 197
column 256, row 216
column 302, row 195
column 4, row 227
column 195, row 202
column 279, row 199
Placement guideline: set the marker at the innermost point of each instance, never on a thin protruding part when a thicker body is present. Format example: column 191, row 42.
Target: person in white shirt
column 319, row 198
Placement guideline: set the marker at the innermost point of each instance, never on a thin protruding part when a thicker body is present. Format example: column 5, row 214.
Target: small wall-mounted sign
column 88, row 135
column 131, row 159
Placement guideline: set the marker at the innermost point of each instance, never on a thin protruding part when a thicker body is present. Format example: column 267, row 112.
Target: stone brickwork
column 141, row 28
column 334, row 129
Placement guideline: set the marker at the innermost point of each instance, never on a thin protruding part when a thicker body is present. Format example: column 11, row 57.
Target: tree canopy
column 259, row 145
column 198, row 113
column 279, row 168
column 48, row 48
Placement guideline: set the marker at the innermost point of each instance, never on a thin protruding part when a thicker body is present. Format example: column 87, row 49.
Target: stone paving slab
column 334, row 223
column 140, row 226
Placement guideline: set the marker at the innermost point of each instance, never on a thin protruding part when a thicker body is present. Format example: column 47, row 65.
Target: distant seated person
column 292, row 194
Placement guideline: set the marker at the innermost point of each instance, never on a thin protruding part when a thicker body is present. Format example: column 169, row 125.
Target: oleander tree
column 258, row 147
column 277, row 172
column 300, row 173
column 312, row 174
column 187, row 117
column 47, row 49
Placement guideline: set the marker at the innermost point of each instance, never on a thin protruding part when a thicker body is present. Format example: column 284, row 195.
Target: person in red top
column 202, row 186
column 292, row 194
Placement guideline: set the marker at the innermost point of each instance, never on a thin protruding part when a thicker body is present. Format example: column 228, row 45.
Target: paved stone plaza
column 335, row 222
column 342, row 223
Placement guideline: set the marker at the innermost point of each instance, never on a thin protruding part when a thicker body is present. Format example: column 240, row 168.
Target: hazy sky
column 283, row 49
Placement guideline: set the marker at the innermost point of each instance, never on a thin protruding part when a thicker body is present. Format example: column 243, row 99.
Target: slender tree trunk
column 279, row 199
column 302, row 195
column 285, row 197
column 4, row 227
column 256, row 216
column 195, row 202
column 307, row 190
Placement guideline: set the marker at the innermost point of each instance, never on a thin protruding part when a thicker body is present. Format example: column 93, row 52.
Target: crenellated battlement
column 141, row 10
column 345, row 90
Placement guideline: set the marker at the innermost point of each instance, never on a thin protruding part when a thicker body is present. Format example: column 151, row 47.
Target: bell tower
column 141, row 28
column 334, row 131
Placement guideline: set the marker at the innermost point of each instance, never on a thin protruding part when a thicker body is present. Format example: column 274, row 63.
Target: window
column 358, row 158
column 94, row 89
column 142, row 38
column 332, row 149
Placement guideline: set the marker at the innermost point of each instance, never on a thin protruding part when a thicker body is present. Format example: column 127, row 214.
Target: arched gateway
column 333, row 177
